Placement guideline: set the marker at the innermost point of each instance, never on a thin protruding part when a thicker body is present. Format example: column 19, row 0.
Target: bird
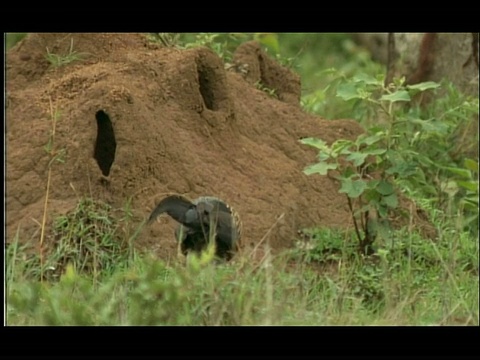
column 198, row 220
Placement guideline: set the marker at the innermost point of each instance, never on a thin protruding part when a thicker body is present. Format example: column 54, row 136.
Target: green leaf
column 400, row 95
column 424, row 86
column 470, row 205
column 369, row 140
column 375, row 151
column 348, row 92
column 450, row 187
column 429, row 189
column 367, row 79
column 385, row 188
column 471, row 165
column 270, row 40
column 384, row 230
column 314, row 142
column 371, row 195
column 358, row 158
column 431, row 126
column 353, row 188
column 472, row 201
column 391, row 200
column 466, row 174
column 403, row 169
column 382, row 211
column 348, row 173
column 469, row 185
column 341, row 146
column 322, row 156
column 363, row 209
column 319, row 168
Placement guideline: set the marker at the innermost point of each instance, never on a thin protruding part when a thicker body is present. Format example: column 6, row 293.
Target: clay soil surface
column 138, row 121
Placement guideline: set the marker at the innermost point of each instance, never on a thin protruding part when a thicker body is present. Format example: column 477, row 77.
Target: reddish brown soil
column 182, row 124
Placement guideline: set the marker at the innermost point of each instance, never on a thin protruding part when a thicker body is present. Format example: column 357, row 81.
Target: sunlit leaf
column 471, row 165
column 450, row 187
column 400, row 95
column 424, row 86
column 270, row 40
column 391, row 200
column 314, row 142
column 403, row 169
column 385, row 188
column 353, row 188
column 341, row 147
column 348, row 92
column 367, row 79
column 469, row 185
column 319, row 168
column 375, row 151
column 358, row 158
column 369, row 140
column 466, row 174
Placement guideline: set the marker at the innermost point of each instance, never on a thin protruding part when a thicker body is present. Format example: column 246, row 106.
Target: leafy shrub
column 374, row 168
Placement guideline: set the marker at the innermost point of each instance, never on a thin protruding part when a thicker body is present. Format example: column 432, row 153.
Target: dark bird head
column 178, row 207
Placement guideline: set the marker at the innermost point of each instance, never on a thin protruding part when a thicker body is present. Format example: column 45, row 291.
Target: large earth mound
column 137, row 121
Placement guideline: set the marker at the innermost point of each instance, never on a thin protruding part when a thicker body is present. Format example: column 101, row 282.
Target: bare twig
column 267, row 233
column 354, row 220
column 391, row 59
column 49, row 175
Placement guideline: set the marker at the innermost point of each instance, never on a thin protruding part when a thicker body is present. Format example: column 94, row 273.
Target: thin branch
column 354, row 220
column 391, row 60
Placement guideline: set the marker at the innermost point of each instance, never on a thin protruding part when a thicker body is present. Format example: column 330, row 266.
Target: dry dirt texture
column 181, row 124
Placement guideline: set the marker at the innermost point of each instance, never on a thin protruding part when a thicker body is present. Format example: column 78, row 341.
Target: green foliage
column 57, row 60
column 167, row 39
column 371, row 167
column 402, row 270
column 464, row 181
column 224, row 44
column 331, row 60
column 270, row 92
column 413, row 282
column 12, row 38
column 325, row 245
column 88, row 239
column 269, row 40
column 221, row 43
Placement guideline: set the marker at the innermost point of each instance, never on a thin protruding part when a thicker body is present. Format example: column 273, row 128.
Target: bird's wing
column 176, row 206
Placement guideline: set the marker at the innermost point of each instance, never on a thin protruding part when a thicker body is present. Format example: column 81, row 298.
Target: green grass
column 413, row 282
column 58, row 60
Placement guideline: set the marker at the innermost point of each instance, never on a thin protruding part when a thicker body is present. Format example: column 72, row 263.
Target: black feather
column 212, row 212
column 176, row 206
column 197, row 218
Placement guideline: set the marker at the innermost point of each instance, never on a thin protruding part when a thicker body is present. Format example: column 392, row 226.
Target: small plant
column 324, row 245
column 57, row 60
column 167, row 39
column 368, row 166
column 222, row 44
column 12, row 38
column 271, row 92
column 87, row 238
column 464, row 184
column 55, row 156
